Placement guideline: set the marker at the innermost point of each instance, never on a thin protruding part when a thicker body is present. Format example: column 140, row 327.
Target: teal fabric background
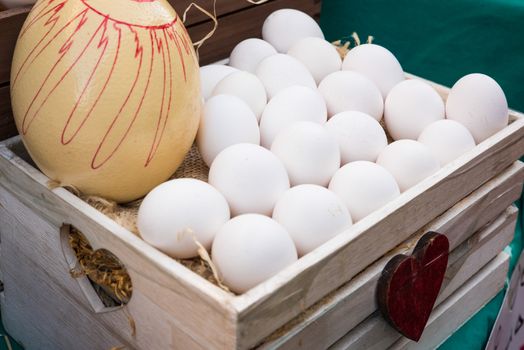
column 443, row 41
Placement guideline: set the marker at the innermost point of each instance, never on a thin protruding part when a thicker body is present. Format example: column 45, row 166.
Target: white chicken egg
column 248, row 87
column 309, row 153
column 478, row 102
column 318, row 55
column 410, row 107
column 285, row 27
column 211, row 75
column 250, row 249
column 250, row 177
column 377, row 63
column 364, row 187
column 312, row 215
column 409, row 162
column 447, row 140
column 179, row 211
column 360, row 136
column 281, row 71
column 351, row 91
column 296, row 103
column 226, row 120
column 247, row 55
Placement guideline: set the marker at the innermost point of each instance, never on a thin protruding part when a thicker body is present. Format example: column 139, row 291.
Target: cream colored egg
column 359, row 136
column 211, row 75
column 178, row 212
column 309, row 153
column 246, row 86
column 312, row 215
column 377, row 63
column 447, row 140
column 351, row 91
column 285, row 27
column 410, row 107
column 478, row 102
column 364, row 187
column 226, row 121
column 318, row 55
column 297, row 103
column 281, row 71
column 250, row 249
column 248, row 54
column 250, row 177
column 409, row 161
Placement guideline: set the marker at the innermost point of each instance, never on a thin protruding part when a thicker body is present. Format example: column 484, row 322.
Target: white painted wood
column 208, row 317
column 343, row 310
column 448, row 316
column 336, row 262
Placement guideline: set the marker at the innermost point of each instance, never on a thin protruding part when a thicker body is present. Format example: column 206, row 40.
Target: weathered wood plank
column 7, row 124
column 194, row 303
column 357, row 298
column 10, row 23
column 242, row 25
column 455, row 310
column 336, row 262
column 375, row 333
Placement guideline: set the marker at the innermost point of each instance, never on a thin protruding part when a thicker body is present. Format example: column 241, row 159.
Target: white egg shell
column 364, row 187
column 309, row 153
column 377, row 63
column 246, row 86
column 250, row 177
column 179, row 211
column 296, row 103
column 478, row 102
column 211, row 75
column 281, row 71
column 447, row 140
column 360, row 136
column 318, row 55
column 250, row 249
column 351, row 91
column 410, row 107
column 409, row 162
column 226, row 120
column 312, row 215
column 248, row 54
column 285, row 27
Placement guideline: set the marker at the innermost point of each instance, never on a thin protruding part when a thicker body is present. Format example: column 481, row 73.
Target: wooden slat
column 242, row 25
column 10, row 23
column 336, row 262
column 224, row 7
column 7, row 124
column 199, row 311
column 345, row 308
column 454, row 311
column 376, row 334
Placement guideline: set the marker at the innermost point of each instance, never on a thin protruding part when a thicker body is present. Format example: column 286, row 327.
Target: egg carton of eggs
column 305, row 180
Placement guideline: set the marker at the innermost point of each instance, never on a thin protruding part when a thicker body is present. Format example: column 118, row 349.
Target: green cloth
column 443, row 41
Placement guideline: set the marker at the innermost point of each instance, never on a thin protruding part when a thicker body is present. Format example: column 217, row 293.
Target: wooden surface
column 336, row 262
column 454, row 311
column 328, row 320
column 242, row 25
column 194, row 312
column 10, row 23
column 375, row 333
column 7, row 124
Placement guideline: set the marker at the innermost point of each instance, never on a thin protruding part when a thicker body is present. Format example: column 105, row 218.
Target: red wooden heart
column 409, row 285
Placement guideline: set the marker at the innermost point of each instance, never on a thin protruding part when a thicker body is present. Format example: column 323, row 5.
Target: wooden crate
column 325, row 296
